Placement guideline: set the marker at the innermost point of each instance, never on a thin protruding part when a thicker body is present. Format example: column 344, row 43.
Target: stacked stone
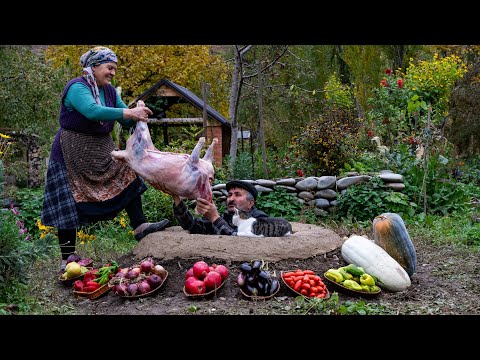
column 320, row 192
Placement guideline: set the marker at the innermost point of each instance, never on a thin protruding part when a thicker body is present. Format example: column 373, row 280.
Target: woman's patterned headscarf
column 93, row 57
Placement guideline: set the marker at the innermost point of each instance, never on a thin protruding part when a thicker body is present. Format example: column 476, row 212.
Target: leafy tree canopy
column 142, row 66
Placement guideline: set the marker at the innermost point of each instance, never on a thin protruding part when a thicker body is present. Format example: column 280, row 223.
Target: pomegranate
column 222, row 270
column 213, row 280
column 189, row 273
column 195, row 287
column 200, row 269
column 190, row 279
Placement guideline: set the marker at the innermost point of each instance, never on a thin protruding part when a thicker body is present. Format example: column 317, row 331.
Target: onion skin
column 241, row 279
column 159, row 270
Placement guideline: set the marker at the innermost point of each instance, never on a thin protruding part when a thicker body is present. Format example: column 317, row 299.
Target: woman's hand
column 139, row 113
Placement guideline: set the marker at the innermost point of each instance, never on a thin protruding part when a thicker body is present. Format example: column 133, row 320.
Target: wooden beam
column 166, row 91
column 176, row 121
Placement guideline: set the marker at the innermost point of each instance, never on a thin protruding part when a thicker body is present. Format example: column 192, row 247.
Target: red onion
column 144, row 287
column 133, row 273
column 132, row 289
column 146, row 266
column 154, row 281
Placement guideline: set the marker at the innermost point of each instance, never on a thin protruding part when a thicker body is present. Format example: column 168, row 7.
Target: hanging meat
column 182, row 174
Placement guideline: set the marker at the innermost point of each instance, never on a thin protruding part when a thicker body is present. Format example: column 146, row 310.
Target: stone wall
column 321, row 192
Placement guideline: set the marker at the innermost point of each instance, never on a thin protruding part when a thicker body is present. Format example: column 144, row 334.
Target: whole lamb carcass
column 184, row 175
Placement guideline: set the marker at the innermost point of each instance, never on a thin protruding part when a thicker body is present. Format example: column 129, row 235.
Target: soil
column 447, row 280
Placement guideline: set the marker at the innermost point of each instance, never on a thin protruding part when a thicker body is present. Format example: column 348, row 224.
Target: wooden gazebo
column 165, row 93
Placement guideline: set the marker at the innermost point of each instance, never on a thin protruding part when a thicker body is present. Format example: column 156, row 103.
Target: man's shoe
column 158, row 226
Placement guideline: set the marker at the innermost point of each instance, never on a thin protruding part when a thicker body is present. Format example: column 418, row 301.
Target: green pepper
column 350, row 284
column 334, row 275
column 367, row 279
column 346, row 275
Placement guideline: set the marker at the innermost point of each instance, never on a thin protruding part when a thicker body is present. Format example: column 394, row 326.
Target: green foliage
column 332, row 306
column 457, row 228
column 29, row 93
column 157, row 206
column 243, row 169
column 17, row 254
column 280, row 203
column 31, row 203
column 2, row 181
column 110, row 241
column 444, row 194
column 362, row 202
column 433, row 80
column 338, row 94
column 328, row 142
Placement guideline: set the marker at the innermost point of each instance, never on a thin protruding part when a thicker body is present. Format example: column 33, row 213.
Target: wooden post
column 204, row 95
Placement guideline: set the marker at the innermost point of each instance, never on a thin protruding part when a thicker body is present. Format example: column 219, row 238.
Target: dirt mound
column 306, row 241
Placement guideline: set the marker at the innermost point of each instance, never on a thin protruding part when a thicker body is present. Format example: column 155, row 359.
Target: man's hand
column 207, row 209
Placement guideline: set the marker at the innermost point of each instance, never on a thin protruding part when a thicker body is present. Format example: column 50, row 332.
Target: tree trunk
column 261, row 135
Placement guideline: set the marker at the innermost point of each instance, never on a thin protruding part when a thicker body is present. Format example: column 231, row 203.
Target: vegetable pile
column 255, row 280
column 306, row 283
column 202, row 278
column 354, row 278
column 139, row 279
column 93, row 279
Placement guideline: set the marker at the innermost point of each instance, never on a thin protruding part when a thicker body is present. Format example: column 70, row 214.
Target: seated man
column 241, row 195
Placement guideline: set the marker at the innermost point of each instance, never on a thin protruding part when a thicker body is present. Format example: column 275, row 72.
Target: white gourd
column 363, row 252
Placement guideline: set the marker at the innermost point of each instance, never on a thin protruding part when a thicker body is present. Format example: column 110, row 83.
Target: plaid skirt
column 62, row 212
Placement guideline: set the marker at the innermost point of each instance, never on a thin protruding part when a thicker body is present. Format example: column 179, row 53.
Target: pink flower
column 400, row 83
column 14, row 209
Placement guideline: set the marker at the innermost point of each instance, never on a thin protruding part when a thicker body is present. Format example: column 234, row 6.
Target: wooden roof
column 188, row 96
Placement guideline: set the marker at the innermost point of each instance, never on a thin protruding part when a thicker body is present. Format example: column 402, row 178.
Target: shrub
column 329, row 141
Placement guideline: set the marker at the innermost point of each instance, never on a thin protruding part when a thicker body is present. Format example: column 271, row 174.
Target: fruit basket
column 295, row 292
column 206, row 294
column 345, row 290
column 150, row 293
column 93, row 294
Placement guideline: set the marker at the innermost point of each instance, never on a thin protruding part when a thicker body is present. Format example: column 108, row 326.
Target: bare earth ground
column 447, row 281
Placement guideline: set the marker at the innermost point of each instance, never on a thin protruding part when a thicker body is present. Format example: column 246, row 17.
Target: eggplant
column 245, row 268
column 264, row 275
column 274, row 286
column 267, row 288
column 256, row 265
column 251, row 290
column 252, row 280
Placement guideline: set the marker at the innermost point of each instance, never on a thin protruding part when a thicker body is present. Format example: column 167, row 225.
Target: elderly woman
column 84, row 184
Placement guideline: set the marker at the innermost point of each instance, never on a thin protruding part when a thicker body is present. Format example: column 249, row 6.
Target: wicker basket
column 352, row 292
column 259, row 297
column 146, row 294
column 93, row 294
